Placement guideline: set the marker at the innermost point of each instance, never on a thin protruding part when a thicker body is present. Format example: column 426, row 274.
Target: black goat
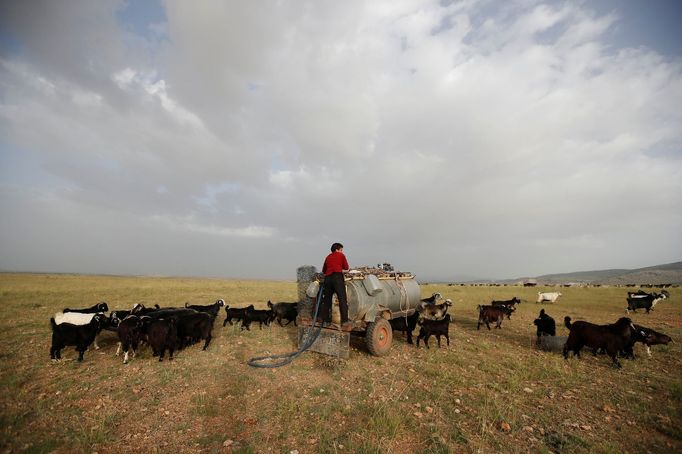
column 436, row 328
column 194, row 327
column 130, row 332
column 287, row 311
column 163, row 335
column 236, row 313
column 406, row 324
column 99, row 307
column 510, row 304
column 613, row 338
column 255, row 315
column 80, row 336
column 546, row 325
column 648, row 337
column 211, row 309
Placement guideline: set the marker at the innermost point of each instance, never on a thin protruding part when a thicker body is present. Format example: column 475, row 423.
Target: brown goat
column 490, row 314
column 612, row 338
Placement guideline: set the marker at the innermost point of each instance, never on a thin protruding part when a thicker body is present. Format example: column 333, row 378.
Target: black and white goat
column 648, row 337
column 80, row 336
column 647, row 302
column 78, row 318
column 99, row 307
column 432, row 311
column 130, row 334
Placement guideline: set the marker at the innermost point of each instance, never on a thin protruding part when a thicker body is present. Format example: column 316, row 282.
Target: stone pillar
column 304, row 276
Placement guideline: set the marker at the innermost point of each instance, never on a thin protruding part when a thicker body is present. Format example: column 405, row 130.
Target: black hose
column 289, row 357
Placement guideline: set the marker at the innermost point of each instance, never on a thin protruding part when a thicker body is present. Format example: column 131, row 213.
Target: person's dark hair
column 337, row 246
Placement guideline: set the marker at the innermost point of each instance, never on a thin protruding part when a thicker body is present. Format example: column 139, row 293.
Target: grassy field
column 490, row 391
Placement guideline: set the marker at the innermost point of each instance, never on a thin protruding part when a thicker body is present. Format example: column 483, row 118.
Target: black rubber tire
column 379, row 337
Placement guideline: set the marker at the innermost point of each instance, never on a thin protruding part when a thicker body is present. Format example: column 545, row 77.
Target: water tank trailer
column 375, row 296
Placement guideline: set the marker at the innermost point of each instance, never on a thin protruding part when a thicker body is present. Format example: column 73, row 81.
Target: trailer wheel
column 379, row 337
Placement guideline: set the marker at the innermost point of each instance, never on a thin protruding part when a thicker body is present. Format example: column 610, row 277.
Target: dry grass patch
column 489, row 391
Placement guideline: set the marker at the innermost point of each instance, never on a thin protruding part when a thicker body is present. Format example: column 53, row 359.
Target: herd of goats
column 174, row 328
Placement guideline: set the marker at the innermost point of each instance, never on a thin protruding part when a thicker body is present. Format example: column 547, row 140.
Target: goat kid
column 235, row 313
column 255, row 315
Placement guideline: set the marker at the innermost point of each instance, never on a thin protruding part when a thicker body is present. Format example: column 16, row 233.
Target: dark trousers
column 333, row 283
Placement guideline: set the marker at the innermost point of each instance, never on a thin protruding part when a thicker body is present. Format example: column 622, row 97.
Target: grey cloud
column 448, row 139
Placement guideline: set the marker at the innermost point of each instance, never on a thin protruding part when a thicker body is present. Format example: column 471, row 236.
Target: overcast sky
column 240, row 139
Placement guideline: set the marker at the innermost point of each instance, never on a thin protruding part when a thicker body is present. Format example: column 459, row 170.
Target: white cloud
column 457, row 138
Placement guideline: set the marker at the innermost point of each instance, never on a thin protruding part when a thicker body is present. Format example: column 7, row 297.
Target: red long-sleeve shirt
column 335, row 263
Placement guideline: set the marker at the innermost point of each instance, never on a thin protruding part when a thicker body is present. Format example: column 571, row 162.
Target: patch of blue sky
column 654, row 24
column 212, row 191
column 665, row 150
column 277, row 164
column 22, row 167
column 253, row 86
column 9, row 44
column 142, row 17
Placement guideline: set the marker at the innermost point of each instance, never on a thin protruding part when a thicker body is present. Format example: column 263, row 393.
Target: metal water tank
column 389, row 297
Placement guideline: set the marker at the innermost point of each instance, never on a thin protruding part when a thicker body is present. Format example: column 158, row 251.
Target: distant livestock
column 548, row 296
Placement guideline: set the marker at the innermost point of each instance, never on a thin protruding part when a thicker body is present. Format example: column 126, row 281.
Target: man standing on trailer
column 333, row 268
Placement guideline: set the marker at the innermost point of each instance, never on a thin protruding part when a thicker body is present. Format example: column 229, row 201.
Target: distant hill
column 670, row 273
